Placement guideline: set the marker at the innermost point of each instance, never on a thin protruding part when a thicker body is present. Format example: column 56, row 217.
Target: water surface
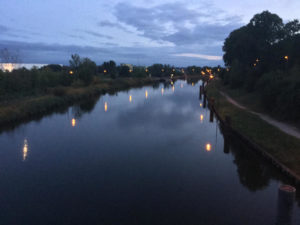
column 144, row 156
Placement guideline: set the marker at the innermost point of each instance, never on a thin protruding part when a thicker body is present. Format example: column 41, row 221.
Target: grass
column 283, row 147
column 19, row 109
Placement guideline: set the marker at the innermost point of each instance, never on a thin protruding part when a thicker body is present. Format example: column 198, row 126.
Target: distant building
column 130, row 66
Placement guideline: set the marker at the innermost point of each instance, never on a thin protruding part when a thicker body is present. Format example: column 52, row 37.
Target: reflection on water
column 208, row 147
column 25, row 149
column 173, row 88
column 145, row 169
column 73, row 122
column 130, row 98
column 201, row 117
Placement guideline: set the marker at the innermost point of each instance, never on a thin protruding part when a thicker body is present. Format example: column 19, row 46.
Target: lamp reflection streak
column 201, row 118
column 73, row 122
column 208, row 147
column 25, row 149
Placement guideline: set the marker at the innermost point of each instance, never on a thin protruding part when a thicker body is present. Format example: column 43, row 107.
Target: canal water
column 148, row 155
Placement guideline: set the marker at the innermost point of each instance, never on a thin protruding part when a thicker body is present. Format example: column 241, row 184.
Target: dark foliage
column 264, row 57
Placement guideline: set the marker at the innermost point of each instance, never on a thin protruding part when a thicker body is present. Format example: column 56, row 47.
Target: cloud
column 107, row 23
column 96, row 34
column 178, row 24
column 3, row 29
column 200, row 56
column 50, row 53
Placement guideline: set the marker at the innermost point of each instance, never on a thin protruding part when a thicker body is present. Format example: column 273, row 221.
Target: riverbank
column 279, row 147
column 18, row 110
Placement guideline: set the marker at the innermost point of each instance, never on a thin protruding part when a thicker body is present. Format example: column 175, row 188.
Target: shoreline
column 269, row 153
column 18, row 111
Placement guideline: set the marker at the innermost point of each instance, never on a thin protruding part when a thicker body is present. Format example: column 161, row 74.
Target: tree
column 156, row 70
column 110, row 67
column 53, row 67
column 87, row 69
column 266, row 27
column 124, row 71
column 75, row 62
column 291, row 29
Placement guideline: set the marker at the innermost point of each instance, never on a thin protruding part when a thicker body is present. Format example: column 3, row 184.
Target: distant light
column 200, row 104
column 257, row 60
column 71, row 72
column 162, row 70
column 227, row 69
column 254, row 64
column 130, row 71
column 211, row 76
column 218, row 69
column 105, row 106
column 146, row 70
column 73, row 122
column 208, row 147
column 173, row 70
column 286, row 57
column 7, row 67
column 105, row 71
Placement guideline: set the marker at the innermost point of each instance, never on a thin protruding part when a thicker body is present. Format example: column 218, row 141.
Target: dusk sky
column 141, row 32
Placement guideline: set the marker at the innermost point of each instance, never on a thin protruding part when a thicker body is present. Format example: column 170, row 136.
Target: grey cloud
column 167, row 22
column 3, row 29
column 201, row 34
column 49, row 53
column 57, row 53
column 107, row 23
column 96, row 34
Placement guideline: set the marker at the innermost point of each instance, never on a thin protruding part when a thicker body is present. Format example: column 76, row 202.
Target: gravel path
column 286, row 128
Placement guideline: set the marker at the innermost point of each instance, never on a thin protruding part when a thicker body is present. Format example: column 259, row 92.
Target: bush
column 59, row 91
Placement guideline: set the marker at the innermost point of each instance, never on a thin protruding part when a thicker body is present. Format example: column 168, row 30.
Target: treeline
column 264, row 56
column 80, row 72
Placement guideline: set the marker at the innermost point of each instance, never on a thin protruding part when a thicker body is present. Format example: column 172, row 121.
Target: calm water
column 146, row 156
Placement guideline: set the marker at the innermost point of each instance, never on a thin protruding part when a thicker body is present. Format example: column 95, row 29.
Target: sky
column 140, row 32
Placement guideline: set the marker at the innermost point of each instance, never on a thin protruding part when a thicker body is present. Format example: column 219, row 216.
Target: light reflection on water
column 141, row 162
column 25, row 149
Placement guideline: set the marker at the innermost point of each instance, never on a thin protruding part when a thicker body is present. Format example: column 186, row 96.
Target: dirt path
column 286, row 128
